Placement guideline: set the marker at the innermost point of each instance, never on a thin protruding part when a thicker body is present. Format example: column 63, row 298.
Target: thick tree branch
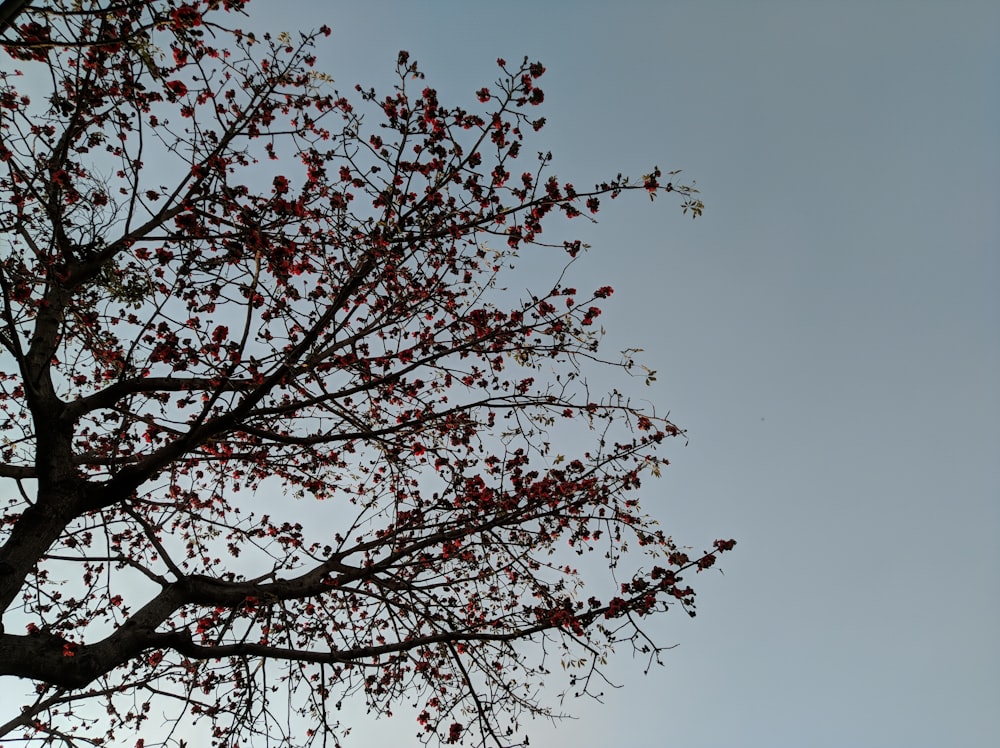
column 9, row 11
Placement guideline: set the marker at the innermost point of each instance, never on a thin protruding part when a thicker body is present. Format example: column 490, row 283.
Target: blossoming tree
column 271, row 420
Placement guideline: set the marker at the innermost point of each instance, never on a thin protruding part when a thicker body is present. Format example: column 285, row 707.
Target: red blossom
column 185, row 16
column 60, row 178
column 177, row 88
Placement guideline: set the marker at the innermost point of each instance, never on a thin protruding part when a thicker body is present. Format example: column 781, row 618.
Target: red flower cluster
column 177, row 88
column 185, row 16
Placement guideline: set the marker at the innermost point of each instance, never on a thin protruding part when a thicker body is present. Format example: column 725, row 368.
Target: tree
column 273, row 420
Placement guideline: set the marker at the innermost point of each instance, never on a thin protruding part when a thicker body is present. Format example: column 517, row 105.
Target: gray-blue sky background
column 828, row 333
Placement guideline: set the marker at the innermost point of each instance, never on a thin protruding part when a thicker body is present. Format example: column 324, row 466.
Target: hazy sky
column 828, row 333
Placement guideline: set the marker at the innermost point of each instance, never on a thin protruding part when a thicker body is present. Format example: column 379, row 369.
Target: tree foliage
column 272, row 423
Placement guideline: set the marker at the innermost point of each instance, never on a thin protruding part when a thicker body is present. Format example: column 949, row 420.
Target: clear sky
column 829, row 334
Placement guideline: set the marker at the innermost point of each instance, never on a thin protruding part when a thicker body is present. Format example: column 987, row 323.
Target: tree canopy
column 272, row 421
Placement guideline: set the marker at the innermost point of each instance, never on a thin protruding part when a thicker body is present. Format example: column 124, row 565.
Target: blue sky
column 827, row 332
